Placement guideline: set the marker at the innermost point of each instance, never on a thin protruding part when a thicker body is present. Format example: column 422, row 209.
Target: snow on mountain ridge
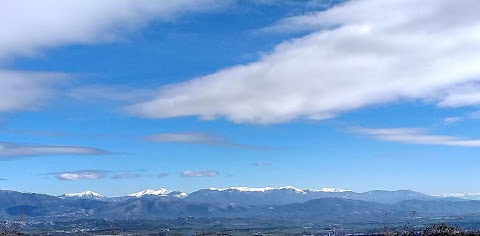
column 159, row 192
column 329, row 190
column 266, row 189
column 474, row 196
column 86, row 194
column 249, row 189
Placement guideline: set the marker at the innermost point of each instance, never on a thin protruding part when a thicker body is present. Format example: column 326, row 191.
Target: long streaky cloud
column 415, row 136
column 360, row 53
column 261, row 163
column 203, row 173
column 199, row 138
column 185, row 138
column 126, row 176
column 8, row 150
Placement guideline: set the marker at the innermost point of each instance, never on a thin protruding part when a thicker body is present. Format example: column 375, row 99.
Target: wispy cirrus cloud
column 48, row 133
column 22, row 90
column 162, row 175
column 415, row 136
column 465, row 117
column 80, row 175
column 126, row 176
column 427, row 49
column 474, row 115
column 198, row 138
column 36, row 132
column 452, row 119
column 203, row 173
column 11, row 150
column 114, row 93
column 261, row 163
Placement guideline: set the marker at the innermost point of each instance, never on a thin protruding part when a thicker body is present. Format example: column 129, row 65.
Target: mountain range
column 285, row 203
column 265, row 196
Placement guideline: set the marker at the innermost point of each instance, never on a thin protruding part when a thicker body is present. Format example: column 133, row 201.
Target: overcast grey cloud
column 415, row 136
column 203, row 173
column 413, row 50
column 80, row 175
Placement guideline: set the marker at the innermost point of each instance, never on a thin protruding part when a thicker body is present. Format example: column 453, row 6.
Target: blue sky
column 118, row 96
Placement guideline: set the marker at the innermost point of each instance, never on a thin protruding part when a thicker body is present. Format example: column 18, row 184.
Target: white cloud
column 27, row 90
column 204, row 173
column 361, row 53
column 463, row 95
column 468, row 116
column 19, row 150
column 415, row 136
column 452, row 119
column 28, row 26
column 78, row 175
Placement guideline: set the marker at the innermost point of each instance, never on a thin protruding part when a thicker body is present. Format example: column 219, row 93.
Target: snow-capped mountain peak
column 159, row 192
column 85, row 195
